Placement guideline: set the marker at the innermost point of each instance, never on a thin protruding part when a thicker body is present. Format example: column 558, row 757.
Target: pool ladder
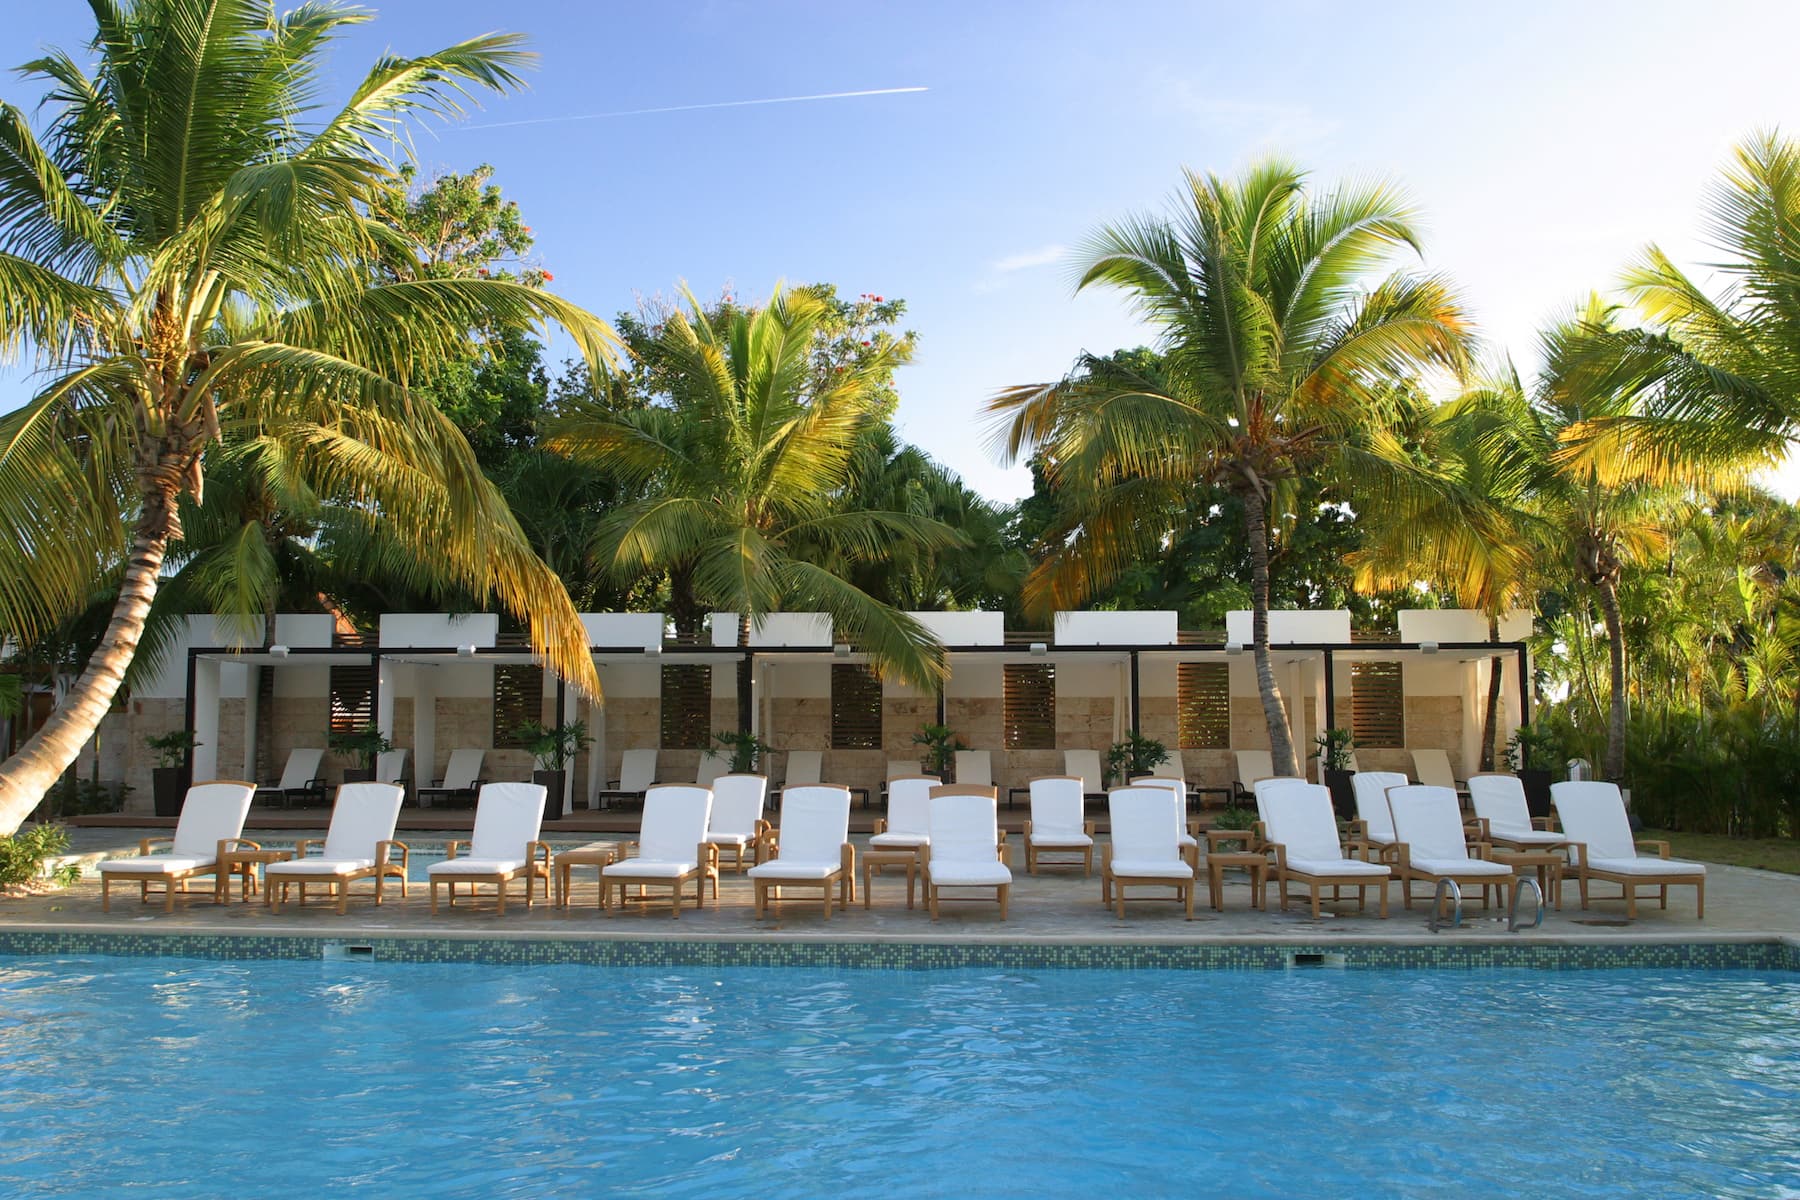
column 1512, row 907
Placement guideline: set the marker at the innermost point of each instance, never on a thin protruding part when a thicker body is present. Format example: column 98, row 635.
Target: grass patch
column 1768, row 854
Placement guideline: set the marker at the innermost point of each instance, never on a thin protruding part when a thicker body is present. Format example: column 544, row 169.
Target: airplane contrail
column 644, row 112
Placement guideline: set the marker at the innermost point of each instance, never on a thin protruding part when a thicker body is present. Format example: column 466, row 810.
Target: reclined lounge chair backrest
column 365, row 813
column 1371, row 801
column 738, row 803
column 463, row 769
column 1056, row 806
column 1085, row 763
column 675, row 817
column 1592, row 811
column 507, row 816
column 712, row 765
column 1298, row 815
column 1178, row 786
column 1144, row 821
column 390, row 766
column 1433, row 767
column 803, row 767
column 1253, row 765
column 211, row 813
column 815, row 823
column 909, row 804
column 1428, row 820
column 964, row 827
column 301, row 769
column 974, row 766
column 1501, row 800
column 637, row 770
column 904, row 768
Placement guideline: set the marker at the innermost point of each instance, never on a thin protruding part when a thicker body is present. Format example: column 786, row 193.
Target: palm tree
column 1279, row 356
column 742, row 466
column 187, row 258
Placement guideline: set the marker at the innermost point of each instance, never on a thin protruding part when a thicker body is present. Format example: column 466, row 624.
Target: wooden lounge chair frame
column 337, row 887
column 169, row 880
column 1281, row 872
column 1002, row 891
column 537, row 866
column 1113, row 884
column 706, row 866
column 1034, row 854
column 1629, row 882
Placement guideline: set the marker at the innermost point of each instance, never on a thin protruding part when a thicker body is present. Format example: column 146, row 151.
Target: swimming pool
column 306, row 1078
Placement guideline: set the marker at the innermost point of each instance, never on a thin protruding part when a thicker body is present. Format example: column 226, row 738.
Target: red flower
column 482, row 271
column 865, row 343
column 878, row 299
column 548, row 277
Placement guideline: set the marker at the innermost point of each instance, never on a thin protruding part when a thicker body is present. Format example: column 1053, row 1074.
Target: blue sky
column 1545, row 143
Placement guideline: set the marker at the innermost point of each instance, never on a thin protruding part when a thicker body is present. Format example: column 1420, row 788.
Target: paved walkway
column 1058, row 905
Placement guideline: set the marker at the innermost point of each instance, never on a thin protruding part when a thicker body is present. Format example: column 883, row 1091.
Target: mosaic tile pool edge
column 916, row 956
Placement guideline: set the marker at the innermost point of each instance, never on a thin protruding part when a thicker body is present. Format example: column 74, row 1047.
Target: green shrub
column 22, row 856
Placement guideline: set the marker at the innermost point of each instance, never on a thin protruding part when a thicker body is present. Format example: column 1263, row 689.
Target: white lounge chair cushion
column 1370, row 789
column 783, row 868
column 1647, row 866
column 1337, row 866
column 1461, row 866
column 643, row 868
column 728, row 839
column 1061, row 841
column 364, row 815
column 1527, row 837
column 815, row 824
column 676, row 818
column 965, row 872
column 476, row 866
column 157, row 864
column 508, row 817
column 318, row 866
column 965, row 837
column 1146, row 868
column 899, row 841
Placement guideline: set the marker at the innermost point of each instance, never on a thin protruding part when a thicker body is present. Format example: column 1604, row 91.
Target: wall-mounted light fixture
column 653, row 649
column 841, row 650
column 1039, row 649
column 1428, row 647
column 465, row 651
column 278, row 651
column 1234, row 647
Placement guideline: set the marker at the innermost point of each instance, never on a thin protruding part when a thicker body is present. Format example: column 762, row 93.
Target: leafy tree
column 1279, row 361
column 189, row 259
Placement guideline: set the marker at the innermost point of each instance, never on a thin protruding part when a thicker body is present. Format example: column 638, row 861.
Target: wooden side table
column 1216, row 866
column 1547, row 863
column 874, row 860
column 598, row 855
column 243, row 863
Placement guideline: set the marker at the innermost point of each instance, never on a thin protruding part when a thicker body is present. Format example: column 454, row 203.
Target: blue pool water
column 183, row 1078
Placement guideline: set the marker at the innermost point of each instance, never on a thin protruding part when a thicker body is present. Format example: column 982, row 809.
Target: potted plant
column 941, row 746
column 1334, row 768
column 1534, row 754
column 365, row 745
column 554, row 747
column 746, row 750
column 169, row 776
column 1134, row 757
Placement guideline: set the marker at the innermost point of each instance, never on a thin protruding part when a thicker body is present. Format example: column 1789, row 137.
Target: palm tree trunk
column 1490, row 727
column 1614, row 765
column 29, row 774
column 1281, row 736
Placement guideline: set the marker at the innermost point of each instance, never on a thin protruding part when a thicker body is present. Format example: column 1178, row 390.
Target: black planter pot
column 1537, row 791
column 359, row 774
column 168, row 784
column 1343, row 793
column 552, row 782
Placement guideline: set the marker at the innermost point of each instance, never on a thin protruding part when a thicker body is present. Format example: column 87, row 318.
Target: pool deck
column 1056, row 907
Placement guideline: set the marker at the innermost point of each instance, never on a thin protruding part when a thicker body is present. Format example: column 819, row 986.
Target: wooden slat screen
column 1030, row 706
column 1203, row 705
column 518, row 698
column 352, row 696
column 855, row 707
column 1377, row 705
column 686, row 707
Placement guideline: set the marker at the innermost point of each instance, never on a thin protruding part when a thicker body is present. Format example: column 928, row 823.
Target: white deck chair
column 358, row 845
column 1374, row 824
column 1185, row 830
column 390, row 766
column 804, row 767
column 1086, row 765
column 903, row 768
column 300, row 778
column 975, row 767
column 1300, row 829
column 966, row 849
column 1253, row 765
column 1433, row 768
column 1432, row 844
column 504, row 846
column 907, row 825
column 1171, row 765
column 1056, row 823
column 737, row 822
column 1143, row 851
column 1503, row 816
column 1592, row 816
column 712, row 765
column 637, row 772
column 462, row 777
column 672, row 847
column 812, row 848
column 212, row 821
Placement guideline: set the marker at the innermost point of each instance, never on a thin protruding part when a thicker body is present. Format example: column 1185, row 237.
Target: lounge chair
column 1143, row 851
column 359, row 845
column 966, row 849
column 1085, row 764
column 903, row 768
column 1187, row 832
column 671, row 848
column 1432, row 846
column 462, row 779
column 1374, row 824
column 504, row 846
column 637, row 772
column 1056, row 824
column 907, row 825
column 811, row 849
column 737, row 822
column 300, row 780
column 975, row 767
column 1502, row 818
column 1252, row 765
column 804, row 767
column 712, row 765
column 1433, row 768
column 1298, row 827
column 390, row 767
column 1592, row 816
column 212, row 822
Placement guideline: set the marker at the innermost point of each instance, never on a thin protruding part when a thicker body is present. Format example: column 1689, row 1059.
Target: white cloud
column 1269, row 123
column 1043, row 256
